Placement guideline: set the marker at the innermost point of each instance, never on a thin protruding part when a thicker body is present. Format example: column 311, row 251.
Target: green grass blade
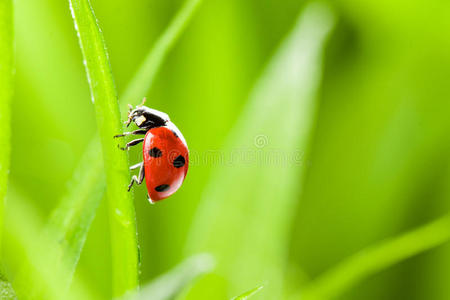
column 144, row 78
column 124, row 250
column 32, row 257
column 71, row 220
column 374, row 259
column 73, row 216
column 244, row 219
column 6, row 91
column 168, row 285
column 248, row 294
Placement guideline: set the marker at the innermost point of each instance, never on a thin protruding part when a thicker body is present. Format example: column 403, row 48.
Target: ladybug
column 165, row 152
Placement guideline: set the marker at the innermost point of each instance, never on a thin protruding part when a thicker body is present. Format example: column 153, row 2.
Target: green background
column 377, row 161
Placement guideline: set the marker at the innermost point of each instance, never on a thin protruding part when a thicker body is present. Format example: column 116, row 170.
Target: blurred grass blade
column 245, row 216
column 122, row 221
column 248, row 294
column 377, row 258
column 70, row 222
column 73, row 216
column 167, row 286
column 143, row 79
column 32, row 257
column 6, row 91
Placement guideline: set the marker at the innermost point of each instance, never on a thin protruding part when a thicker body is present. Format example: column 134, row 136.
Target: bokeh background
column 375, row 164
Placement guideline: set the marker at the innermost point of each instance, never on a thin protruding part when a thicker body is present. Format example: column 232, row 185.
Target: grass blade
column 31, row 256
column 144, row 77
column 273, row 129
column 6, row 91
column 125, row 263
column 73, row 216
column 377, row 258
column 248, row 294
column 70, row 222
column 168, row 285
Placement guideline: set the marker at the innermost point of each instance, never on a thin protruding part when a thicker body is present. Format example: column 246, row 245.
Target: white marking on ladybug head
column 140, row 120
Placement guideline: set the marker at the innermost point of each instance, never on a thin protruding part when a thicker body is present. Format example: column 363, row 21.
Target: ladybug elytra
column 165, row 152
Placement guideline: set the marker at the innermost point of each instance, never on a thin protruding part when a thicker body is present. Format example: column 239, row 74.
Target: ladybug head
column 145, row 117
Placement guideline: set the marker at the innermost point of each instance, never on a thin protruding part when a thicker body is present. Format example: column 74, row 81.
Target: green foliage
column 145, row 75
column 168, row 285
column 71, row 220
column 6, row 290
column 363, row 114
column 121, row 209
column 248, row 294
column 377, row 258
column 6, row 91
column 33, row 254
column 278, row 117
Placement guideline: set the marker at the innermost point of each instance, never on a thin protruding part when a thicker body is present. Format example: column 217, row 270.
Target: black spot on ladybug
column 174, row 133
column 162, row 187
column 179, row 161
column 154, row 152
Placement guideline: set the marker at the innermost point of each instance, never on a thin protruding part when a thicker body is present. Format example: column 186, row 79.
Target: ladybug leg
column 133, row 167
column 136, row 132
column 132, row 143
column 137, row 179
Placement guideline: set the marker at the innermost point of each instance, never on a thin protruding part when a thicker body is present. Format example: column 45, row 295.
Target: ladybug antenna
column 128, row 121
column 143, row 101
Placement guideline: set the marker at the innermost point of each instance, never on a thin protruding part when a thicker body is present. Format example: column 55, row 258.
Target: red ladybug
column 166, row 155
